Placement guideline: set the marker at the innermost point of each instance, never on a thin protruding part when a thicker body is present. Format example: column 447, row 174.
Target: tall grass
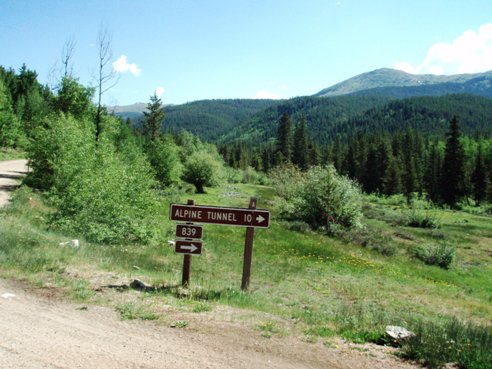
column 466, row 344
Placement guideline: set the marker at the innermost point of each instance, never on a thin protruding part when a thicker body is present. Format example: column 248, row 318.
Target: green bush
column 287, row 180
column 419, row 219
column 466, row 344
column 323, row 199
column 202, row 169
column 441, row 254
column 164, row 158
column 99, row 191
column 250, row 175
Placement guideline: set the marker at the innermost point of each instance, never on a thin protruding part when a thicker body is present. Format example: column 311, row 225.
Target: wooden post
column 187, row 262
column 248, row 250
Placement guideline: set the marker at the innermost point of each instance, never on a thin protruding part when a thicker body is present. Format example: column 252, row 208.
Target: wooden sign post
column 185, row 280
column 248, row 251
column 250, row 218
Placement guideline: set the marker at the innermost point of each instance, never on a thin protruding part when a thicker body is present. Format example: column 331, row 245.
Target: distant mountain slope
column 320, row 114
column 428, row 115
column 208, row 119
column 343, row 117
column 399, row 84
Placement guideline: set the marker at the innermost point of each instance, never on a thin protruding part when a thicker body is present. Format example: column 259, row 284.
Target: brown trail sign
column 219, row 215
column 190, row 213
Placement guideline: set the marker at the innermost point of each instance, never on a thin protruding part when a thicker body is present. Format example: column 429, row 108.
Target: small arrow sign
column 189, row 247
column 260, row 219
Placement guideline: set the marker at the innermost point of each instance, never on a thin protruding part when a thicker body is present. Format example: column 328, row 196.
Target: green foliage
column 102, row 193
column 61, row 148
column 441, row 255
column 111, row 199
column 202, row 169
column 287, row 180
column 74, row 99
column 284, row 139
column 466, row 344
column 130, row 311
column 453, row 168
column 325, row 198
column 153, row 118
column 420, row 219
column 163, row 154
column 11, row 130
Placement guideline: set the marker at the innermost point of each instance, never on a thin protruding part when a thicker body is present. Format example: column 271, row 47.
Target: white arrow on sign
column 190, row 247
column 259, row 219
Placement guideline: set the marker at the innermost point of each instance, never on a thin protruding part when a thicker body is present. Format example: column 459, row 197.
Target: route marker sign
column 188, row 247
column 189, row 231
column 219, row 215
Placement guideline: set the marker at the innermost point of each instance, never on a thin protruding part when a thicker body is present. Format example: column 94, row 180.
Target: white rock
column 8, row 295
column 398, row 333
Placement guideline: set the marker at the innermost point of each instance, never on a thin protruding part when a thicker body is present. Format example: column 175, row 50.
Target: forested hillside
column 209, row 119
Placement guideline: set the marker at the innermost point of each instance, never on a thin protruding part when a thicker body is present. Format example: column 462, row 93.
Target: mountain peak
column 387, row 77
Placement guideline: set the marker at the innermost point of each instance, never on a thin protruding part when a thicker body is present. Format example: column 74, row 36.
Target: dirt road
column 10, row 173
column 37, row 331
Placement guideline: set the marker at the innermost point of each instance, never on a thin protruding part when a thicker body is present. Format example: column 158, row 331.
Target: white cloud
column 264, row 94
column 121, row 65
column 159, row 91
column 471, row 52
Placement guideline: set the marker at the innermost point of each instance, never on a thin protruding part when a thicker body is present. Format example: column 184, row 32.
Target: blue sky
column 207, row 49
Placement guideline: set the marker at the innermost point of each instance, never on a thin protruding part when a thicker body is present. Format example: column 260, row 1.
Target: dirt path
column 10, row 173
column 44, row 332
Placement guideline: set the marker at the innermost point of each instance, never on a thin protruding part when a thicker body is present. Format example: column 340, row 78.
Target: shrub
column 164, row 158
column 111, row 200
column 325, row 198
column 202, row 169
column 419, row 219
column 287, row 180
column 435, row 345
column 100, row 192
column 441, row 254
column 250, row 175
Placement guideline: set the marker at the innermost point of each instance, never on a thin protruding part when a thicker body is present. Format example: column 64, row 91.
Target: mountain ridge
column 392, row 78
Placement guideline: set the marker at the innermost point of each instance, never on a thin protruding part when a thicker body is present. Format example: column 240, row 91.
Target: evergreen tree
column 433, row 173
column 153, row 118
column 479, row 178
column 314, row 154
column 300, row 154
column 284, row 139
column 370, row 178
column 392, row 179
column 452, row 177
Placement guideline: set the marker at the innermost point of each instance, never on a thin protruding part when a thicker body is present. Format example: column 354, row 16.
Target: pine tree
column 479, row 178
column 453, row 168
column 284, row 139
column 300, row 154
column 433, row 173
column 153, row 118
column 392, row 179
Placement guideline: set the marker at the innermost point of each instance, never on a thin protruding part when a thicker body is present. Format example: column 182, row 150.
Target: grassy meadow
column 303, row 283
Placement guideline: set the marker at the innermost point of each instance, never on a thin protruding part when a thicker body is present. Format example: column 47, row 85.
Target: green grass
column 131, row 311
column 312, row 284
column 11, row 154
